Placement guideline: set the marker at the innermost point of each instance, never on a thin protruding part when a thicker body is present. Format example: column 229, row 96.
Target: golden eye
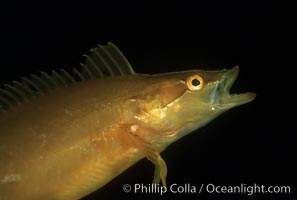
column 195, row 82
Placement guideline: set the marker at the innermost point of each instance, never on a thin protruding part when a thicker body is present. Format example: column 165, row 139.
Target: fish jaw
column 220, row 95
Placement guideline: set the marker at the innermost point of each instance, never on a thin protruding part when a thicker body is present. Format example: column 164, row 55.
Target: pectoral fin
column 160, row 169
column 151, row 154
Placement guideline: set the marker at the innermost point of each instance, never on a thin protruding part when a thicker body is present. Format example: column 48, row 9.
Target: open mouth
column 220, row 94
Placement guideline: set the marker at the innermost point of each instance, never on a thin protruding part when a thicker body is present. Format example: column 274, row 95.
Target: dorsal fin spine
column 50, row 79
column 58, row 76
column 68, row 76
column 29, row 82
column 16, row 90
column 104, row 62
column 88, row 71
column 23, row 86
column 122, row 57
column 97, row 69
column 79, row 74
column 40, row 81
column 112, row 60
column 5, row 101
column 9, row 95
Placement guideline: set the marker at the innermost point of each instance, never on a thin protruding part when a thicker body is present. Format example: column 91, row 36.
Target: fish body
column 72, row 139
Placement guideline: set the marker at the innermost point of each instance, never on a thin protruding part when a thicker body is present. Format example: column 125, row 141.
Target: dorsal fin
column 103, row 61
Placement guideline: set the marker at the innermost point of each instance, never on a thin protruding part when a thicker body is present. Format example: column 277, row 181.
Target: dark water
column 251, row 144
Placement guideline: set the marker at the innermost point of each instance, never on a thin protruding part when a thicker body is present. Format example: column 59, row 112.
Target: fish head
column 180, row 102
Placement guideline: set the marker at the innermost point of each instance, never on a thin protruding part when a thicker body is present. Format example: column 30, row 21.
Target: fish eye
column 195, row 82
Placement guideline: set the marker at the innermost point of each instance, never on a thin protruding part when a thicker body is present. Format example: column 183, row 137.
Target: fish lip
column 222, row 91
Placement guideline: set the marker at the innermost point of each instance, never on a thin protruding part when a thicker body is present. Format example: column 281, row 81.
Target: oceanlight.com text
column 210, row 188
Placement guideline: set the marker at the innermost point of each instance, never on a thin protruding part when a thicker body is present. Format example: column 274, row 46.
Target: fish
column 64, row 136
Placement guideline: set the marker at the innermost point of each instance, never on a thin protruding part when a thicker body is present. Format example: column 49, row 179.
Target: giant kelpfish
column 64, row 135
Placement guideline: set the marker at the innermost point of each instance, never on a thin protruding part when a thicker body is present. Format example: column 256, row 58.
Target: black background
column 249, row 144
